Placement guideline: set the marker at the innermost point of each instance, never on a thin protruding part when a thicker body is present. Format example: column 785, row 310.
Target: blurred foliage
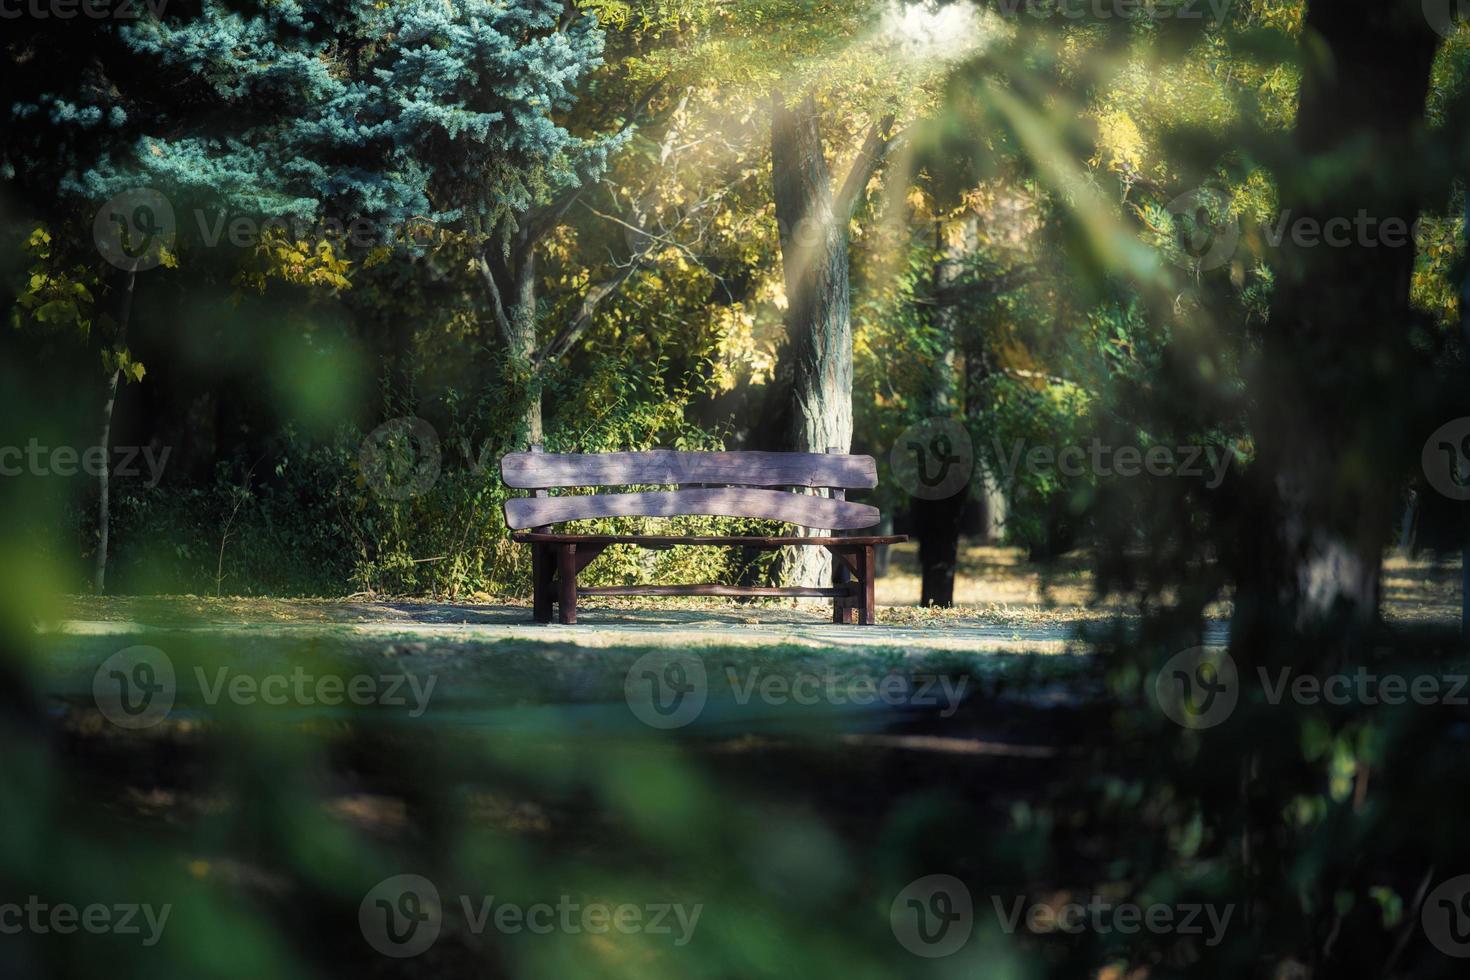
column 1029, row 267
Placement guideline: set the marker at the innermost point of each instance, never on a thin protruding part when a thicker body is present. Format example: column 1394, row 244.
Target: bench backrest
column 742, row 486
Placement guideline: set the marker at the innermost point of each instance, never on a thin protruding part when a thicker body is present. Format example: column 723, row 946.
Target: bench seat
column 736, row 540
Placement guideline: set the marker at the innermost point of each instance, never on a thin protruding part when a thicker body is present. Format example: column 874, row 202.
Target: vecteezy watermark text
column 1102, row 460
column 301, row 688
column 402, row 916
column 1208, row 231
column 136, row 688
column 1200, row 688
column 248, row 231
column 35, row 459
column 1149, row 10
column 837, row 688
column 1100, row 916
column 137, row 227
column 86, row 9
column 670, row 690
column 933, row 916
column 42, row 918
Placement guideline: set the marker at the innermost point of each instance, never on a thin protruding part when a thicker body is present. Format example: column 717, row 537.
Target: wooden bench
column 738, row 484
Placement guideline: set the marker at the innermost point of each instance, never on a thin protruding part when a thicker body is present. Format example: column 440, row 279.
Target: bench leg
column 543, row 570
column 843, row 608
column 867, row 563
column 847, row 573
column 566, row 571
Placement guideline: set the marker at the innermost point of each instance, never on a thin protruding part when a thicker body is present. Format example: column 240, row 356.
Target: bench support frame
column 555, row 567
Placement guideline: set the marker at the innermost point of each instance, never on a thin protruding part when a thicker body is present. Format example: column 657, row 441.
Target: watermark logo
column 137, row 687
column 1446, row 16
column 933, row 916
column 666, row 690
column 1208, row 233
column 401, row 916
column 134, row 229
column 1198, row 688
column 134, row 688
column 933, row 459
column 1446, row 917
column 400, row 459
column 1446, row 459
column 1204, row 228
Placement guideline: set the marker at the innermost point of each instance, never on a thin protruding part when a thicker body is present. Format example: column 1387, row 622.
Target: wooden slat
column 736, row 540
column 772, row 505
column 666, row 467
column 736, row 590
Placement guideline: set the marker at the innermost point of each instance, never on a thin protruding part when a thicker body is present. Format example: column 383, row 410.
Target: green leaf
column 57, row 311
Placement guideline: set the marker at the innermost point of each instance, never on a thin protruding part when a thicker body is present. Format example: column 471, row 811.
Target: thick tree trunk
column 104, row 513
column 1336, row 349
column 815, row 259
column 937, row 522
column 1409, row 516
column 814, row 255
column 994, row 505
column 510, row 280
column 1335, row 365
column 522, row 316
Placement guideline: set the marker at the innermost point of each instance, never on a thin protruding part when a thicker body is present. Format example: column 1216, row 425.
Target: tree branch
column 979, row 288
column 875, row 148
column 492, row 288
column 542, row 220
column 650, row 236
column 572, row 330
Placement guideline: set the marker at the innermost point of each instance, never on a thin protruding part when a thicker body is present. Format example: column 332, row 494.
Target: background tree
column 408, row 112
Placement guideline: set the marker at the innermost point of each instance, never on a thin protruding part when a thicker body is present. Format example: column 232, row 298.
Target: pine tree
column 309, row 112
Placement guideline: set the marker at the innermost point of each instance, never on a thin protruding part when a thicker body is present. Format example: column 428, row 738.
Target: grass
column 996, row 586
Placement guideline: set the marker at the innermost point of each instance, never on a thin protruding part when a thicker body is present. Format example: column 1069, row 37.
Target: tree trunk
column 814, row 255
column 104, row 515
column 937, row 522
column 511, row 281
column 1336, row 349
column 993, row 506
column 1409, row 515
column 522, row 316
